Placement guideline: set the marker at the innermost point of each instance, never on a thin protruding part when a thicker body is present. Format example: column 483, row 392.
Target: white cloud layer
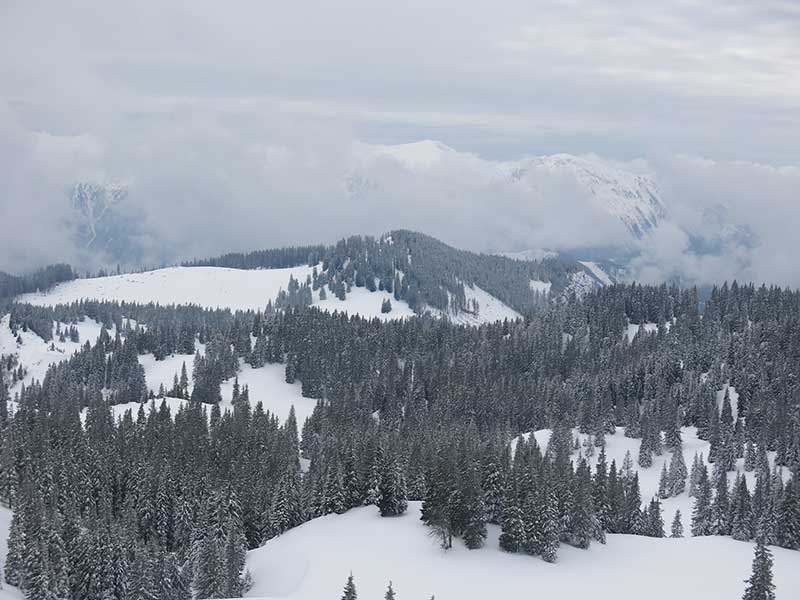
column 236, row 124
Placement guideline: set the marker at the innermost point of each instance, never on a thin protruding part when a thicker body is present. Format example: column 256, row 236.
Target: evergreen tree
column 676, row 480
column 702, row 516
column 550, row 530
column 389, row 595
column 720, row 507
column 664, row 489
column 350, row 589
column 581, row 518
column 677, row 526
column 512, row 535
column 759, row 585
column 393, row 496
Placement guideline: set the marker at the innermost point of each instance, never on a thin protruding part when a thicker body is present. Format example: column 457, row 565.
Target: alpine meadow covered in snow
column 453, row 300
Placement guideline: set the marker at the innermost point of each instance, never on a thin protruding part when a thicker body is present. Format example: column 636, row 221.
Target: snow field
column 634, row 328
column 490, row 309
column 543, row 287
column 251, row 289
column 360, row 301
column 618, row 445
column 597, row 271
column 313, row 561
column 209, row 287
column 36, row 355
column 213, row 287
column 266, row 384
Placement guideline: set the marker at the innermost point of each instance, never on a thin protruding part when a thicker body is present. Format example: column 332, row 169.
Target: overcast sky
column 190, row 101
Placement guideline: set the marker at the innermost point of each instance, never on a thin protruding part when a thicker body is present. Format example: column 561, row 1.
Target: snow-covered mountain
column 574, row 202
column 583, row 207
column 633, row 198
column 96, row 202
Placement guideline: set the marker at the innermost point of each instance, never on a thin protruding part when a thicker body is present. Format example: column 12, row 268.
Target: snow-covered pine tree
column 349, row 592
column 720, row 507
column 389, row 595
column 475, row 525
column 702, row 516
column 550, row 528
column 512, row 535
column 676, row 531
column 677, row 474
column 654, row 523
column 788, row 520
column 492, row 485
column 645, row 453
column 664, row 489
column 694, row 475
column 760, row 585
column 393, row 496
column 581, row 517
column 741, row 519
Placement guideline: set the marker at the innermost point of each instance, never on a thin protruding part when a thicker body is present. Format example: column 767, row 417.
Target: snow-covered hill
column 240, row 289
column 313, row 561
column 210, row 287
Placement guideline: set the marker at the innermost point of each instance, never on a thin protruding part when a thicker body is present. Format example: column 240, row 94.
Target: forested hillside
column 417, row 268
column 165, row 504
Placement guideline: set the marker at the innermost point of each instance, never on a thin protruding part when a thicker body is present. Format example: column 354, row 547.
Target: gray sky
column 253, row 105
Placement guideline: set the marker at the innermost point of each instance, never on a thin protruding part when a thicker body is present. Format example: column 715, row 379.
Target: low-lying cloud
column 239, row 128
column 201, row 185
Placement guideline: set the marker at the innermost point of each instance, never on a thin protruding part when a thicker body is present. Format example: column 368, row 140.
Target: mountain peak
column 634, row 198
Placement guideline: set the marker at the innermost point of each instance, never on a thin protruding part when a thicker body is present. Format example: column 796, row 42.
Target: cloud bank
column 239, row 128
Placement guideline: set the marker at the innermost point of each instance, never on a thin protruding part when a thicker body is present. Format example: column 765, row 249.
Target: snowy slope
column 210, row 287
column 312, row 562
column 580, row 283
column 266, row 384
column 162, row 372
column 35, row 355
column 240, row 289
column 633, row 328
column 534, row 254
column 360, row 301
column 119, row 410
column 542, row 287
column 597, row 271
column 618, row 445
column 490, row 309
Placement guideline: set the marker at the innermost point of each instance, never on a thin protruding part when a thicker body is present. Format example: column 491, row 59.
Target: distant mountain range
column 109, row 225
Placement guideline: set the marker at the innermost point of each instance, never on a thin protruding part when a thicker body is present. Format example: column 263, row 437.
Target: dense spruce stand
column 165, row 505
